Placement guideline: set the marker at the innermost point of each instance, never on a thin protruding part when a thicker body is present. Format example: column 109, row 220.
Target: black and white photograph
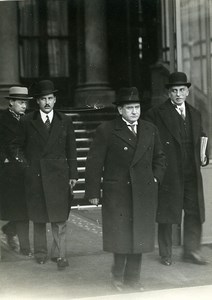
column 105, row 149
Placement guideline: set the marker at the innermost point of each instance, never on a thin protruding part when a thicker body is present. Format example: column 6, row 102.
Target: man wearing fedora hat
column 180, row 130
column 48, row 146
column 128, row 154
column 13, row 203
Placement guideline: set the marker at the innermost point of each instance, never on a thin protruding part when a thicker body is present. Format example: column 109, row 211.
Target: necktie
column 47, row 123
column 182, row 112
column 132, row 128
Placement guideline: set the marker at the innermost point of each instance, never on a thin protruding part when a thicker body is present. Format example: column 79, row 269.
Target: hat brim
column 44, row 93
column 25, row 98
column 168, row 85
column 126, row 102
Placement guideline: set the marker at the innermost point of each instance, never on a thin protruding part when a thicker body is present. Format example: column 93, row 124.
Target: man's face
column 130, row 112
column 178, row 94
column 18, row 106
column 46, row 103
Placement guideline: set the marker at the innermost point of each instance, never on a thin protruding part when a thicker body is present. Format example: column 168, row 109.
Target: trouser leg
column 40, row 240
column 192, row 222
column 9, row 228
column 192, row 233
column 118, row 266
column 59, row 239
column 22, row 228
column 133, row 268
column 165, row 239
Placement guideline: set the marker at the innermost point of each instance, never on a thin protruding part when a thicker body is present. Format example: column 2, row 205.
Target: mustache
column 47, row 106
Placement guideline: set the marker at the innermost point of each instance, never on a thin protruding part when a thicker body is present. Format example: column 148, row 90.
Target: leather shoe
column 41, row 260
column 194, row 258
column 117, row 285
column 26, row 253
column 62, row 263
column 166, row 261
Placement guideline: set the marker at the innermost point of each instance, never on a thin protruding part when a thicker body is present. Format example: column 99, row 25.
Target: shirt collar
column 178, row 107
column 128, row 123
column 43, row 116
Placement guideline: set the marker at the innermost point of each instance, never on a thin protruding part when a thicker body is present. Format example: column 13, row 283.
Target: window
column 44, row 40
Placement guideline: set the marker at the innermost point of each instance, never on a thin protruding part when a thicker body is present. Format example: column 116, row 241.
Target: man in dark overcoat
column 13, row 203
column 48, row 145
column 180, row 130
column 132, row 163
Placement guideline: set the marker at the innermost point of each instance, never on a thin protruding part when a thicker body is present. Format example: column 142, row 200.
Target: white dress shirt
column 44, row 115
column 134, row 124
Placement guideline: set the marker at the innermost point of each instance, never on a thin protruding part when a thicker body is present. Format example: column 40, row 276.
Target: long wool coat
column 51, row 160
column 12, row 195
column 128, row 166
column 170, row 203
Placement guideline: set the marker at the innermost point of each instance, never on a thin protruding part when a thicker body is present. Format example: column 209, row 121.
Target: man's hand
column 94, row 201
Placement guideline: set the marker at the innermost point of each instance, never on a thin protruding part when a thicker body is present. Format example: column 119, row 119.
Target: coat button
column 125, row 148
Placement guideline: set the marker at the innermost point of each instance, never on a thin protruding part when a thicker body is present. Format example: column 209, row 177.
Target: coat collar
column 139, row 143
column 170, row 118
column 48, row 138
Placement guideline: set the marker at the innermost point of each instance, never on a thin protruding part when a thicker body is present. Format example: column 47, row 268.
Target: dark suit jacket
column 171, row 193
column 51, row 160
column 129, row 190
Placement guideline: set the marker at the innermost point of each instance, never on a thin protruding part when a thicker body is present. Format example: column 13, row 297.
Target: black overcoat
column 51, row 160
column 170, row 203
column 128, row 166
column 12, row 194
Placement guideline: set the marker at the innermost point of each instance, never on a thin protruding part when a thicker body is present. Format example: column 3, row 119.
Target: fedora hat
column 18, row 93
column 44, row 87
column 178, row 78
column 127, row 95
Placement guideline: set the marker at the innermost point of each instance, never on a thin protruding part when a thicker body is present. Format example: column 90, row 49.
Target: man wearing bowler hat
column 128, row 154
column 180, row 130
column 13, row 203
column 48, row 145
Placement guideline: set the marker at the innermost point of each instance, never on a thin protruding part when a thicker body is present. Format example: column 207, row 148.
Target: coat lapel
column 123, row 132
column 170, row 118
column 48, row 138
column 195, row 125
column 37, row 123
column 144, row 137
column 57, row 127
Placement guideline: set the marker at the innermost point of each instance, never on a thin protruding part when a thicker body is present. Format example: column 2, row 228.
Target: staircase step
column 86, row 149
column 81, row 159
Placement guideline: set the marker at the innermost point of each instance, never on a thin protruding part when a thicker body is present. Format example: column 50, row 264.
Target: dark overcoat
column 51, row 159
column 128, row 166
column 170, row 203
column 12, row 194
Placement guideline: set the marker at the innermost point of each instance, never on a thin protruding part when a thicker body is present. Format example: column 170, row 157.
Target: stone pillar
column 93, row 87
column 9, row 70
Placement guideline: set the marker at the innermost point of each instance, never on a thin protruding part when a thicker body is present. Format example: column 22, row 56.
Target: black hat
column 44, row 87
column 127, row 95
column 178, row 78
column 18, row 93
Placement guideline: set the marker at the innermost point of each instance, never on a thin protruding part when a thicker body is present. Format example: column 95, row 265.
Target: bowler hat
column 127, row 95
column 44, row 87
column 18, row 93
column 178, row 78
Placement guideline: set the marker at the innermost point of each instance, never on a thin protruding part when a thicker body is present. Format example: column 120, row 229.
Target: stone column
column 93, row 87
column 9, row 71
